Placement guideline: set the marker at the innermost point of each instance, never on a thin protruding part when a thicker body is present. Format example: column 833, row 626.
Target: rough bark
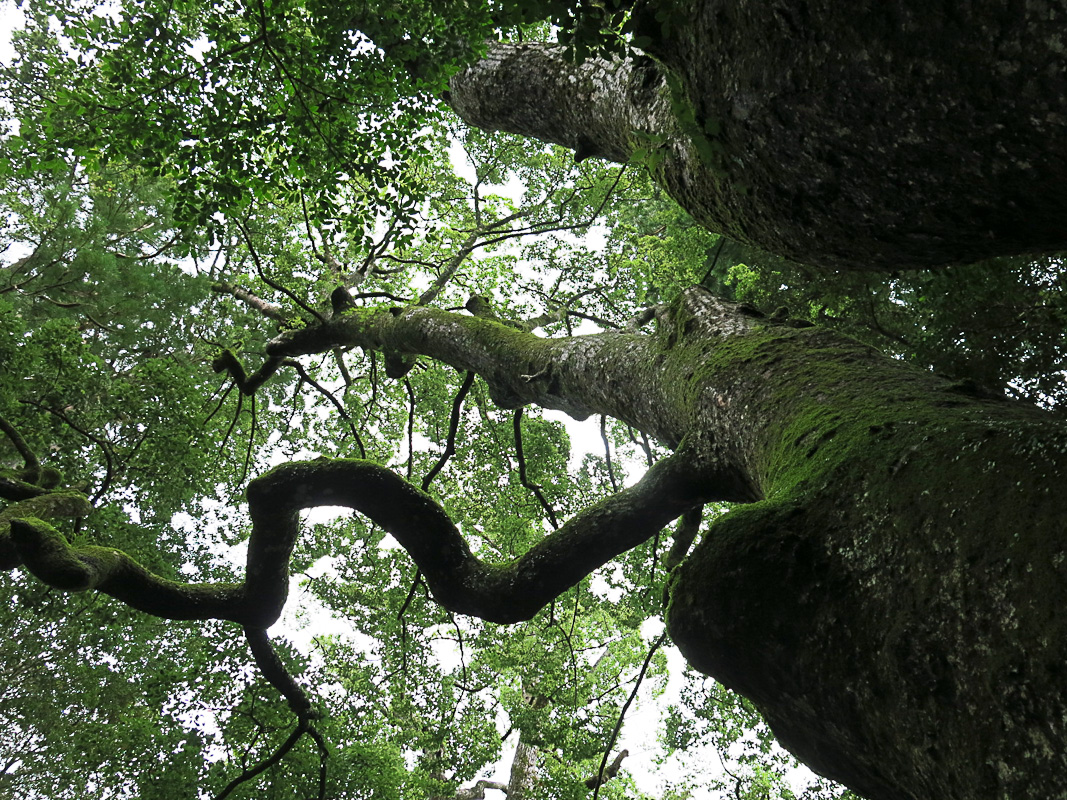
column 522, row 783
column 890, row 595
column 891, row 602
column 877, row 135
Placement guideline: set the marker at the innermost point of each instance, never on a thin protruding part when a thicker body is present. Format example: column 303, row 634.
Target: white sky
column 10, row 18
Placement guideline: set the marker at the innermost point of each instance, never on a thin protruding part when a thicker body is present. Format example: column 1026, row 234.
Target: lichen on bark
column 882, row 135
column 888, row 592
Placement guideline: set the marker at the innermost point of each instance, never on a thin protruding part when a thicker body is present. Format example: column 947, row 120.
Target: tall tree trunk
column 888, row 134
column 892, row 600
column 890, row 596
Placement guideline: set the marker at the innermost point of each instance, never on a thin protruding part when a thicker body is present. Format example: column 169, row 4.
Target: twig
column 453, row 428
column 622, row 714
column 523, row 479
column 263, row 275
column 105, row 447
column 329, row 396
column 607, row 452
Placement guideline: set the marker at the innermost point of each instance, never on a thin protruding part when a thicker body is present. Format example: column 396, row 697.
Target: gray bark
column 522, row 783
column 891, row 600
column 878, row 135
column 890, row 595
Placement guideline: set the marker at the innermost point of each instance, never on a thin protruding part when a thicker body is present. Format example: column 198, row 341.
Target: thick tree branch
column 458, row 580
column 50, row 505
column 767, row 122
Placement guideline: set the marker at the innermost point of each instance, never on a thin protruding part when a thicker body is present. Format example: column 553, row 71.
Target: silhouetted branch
column 523, row 478
column 602, row 775
column 453, row 429
column 459, row 581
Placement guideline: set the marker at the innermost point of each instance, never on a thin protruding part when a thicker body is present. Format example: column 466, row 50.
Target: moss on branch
column 458, row 580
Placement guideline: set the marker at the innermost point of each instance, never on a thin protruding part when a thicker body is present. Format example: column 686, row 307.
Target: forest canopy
column 254, row 264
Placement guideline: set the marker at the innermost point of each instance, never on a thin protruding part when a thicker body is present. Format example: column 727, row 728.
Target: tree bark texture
column 889, row 593
column 873, row 135
column 891, row 600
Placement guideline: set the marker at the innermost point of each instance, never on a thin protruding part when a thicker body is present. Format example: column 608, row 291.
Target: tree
column 879, row 136
column 895, row 542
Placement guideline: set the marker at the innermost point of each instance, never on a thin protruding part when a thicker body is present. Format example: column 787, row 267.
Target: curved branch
column 453, row 429
column 458, row 580
column 32, row 471
column 43, row 506
column 523, row 478
column 603, row 774
column 103, row 444
column 303, row 726
column 227, row 362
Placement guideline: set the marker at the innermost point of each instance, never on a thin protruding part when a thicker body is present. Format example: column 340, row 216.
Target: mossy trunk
column 890, row 593
column 882, row 134
column 893, row 604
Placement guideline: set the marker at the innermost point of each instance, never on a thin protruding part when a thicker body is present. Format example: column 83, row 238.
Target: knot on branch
column 247, row 384
column 341, row 301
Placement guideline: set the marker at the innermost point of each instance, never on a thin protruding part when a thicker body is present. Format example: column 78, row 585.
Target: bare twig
column 104, row 445
column 607, row 452
column 271, row 283
column 329, row 396
column 453, row 428
column 523, row 478
column 600, row 776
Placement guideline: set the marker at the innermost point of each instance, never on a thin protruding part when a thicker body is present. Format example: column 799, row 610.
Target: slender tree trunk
column 892, row 599
column 522, row 784
column 881, row 134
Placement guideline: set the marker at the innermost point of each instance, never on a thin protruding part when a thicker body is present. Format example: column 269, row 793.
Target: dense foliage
column 184, row 179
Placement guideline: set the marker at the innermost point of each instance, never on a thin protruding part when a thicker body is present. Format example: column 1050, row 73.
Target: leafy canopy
column 183, row 179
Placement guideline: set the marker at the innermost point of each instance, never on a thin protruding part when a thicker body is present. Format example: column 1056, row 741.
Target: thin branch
column 523, row 478
column 411, row 427
column 251, row 440
column 104, row 445
column 718, row 252
column 329, row 396
column 246, row 775
column 263, row 275
column 453, row 429
column 275, row 672
column 230, row 385
column 253, row 301
column 387, row 295
column 607, row 452
column 32, row 471
column 450, row 270
column 600, row 777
